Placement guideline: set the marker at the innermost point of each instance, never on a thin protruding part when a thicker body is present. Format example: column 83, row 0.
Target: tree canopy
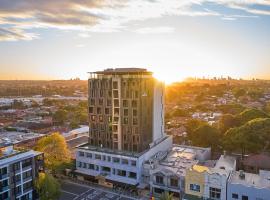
column 47, row 187
column 250, row 114
column 206, row 136
column 252, row 137
column 55, row 150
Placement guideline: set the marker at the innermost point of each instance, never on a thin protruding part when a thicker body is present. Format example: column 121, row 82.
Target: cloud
column 155, row 30
column 14, row 35
column 106, row 15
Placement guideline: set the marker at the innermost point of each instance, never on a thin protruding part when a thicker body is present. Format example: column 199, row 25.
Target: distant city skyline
column 176, row 39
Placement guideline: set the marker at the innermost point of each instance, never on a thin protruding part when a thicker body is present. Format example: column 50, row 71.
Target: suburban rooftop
column 248, row 179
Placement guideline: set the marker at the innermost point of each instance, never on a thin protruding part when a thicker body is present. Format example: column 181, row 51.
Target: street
column 74, row 191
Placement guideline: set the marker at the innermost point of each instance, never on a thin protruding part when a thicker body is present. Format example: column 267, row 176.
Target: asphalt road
column 74, row 191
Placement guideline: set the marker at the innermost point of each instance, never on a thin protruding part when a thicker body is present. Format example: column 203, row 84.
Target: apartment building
column 18, row 171
column 125, row 109
column 126, row 126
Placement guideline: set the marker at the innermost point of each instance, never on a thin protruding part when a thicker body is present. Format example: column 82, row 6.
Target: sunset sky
column 174, row 38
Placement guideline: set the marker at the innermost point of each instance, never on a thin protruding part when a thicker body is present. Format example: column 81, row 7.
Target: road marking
column 69, row 192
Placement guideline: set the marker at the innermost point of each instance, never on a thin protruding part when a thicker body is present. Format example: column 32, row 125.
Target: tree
column 166, row 196
column 250, row 114
column 60, row 116
column 252, row 137
column 55, row 150
column 238, row 92
column 47, row 187
column 192, row 125
column 227, row 121
column 206, row 136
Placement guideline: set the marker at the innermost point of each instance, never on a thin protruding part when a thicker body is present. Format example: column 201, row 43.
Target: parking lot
column 73, row 191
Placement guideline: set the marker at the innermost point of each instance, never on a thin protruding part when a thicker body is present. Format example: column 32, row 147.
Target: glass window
column 97, row 156
column 116, row 160
column 215, row 193
column 195, row 187
column 133, row 163
column 125, row 161
column 234, row 196
column 244, row 197
column 174, row 182
column 159, row 180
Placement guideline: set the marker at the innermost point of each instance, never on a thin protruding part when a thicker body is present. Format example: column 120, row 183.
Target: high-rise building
column 125, row 109
column 18, row 171
column 126, row 126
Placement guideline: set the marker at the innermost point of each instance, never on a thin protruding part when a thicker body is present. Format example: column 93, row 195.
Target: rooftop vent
column 241, row 174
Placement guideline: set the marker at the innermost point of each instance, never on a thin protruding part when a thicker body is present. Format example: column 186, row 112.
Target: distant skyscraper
column 125, row 109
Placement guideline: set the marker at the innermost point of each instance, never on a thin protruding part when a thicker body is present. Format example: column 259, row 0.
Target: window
column 91, row 166
column 115, row 94
column 88, row 155
column 107, row 111
column 159, row 180
column 125, row 120
column 3, row 171
column 135, row 121
column 115, row 85
column 116, row 103
column 18, row 189
column 18, row 178
column 215, row 193
column 158, row 190
column 125, row 103
column 234, row 196
column 133, row 163
column 26, row 163
column 91, row 110
column 100, row 118
column 100, row 102
column 125, row 112
column 92, row 102
column 4, row 195
column 81, row 154
column 93, row 118
column 27, row 186
column 134, row 103
column 109, row 102
column 98, row 110
column 125, row 161
column 121, row 172
column 132, row 175
column 116, row 160
column 136, row 94
column 97, row 156
column 17, row 166
column 244, row 197
column 115, row 128
column 116, row 111
column 174, row 182
column 109, row 158
column 134, row 112
column 195, row 187
column 27, row 174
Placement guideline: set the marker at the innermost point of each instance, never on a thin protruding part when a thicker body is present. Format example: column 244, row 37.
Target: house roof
column 258, row 160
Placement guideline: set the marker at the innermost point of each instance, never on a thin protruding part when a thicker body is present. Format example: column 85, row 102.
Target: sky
column 175, row 39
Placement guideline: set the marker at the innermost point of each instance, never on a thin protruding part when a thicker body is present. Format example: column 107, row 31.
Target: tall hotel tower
column 126, row 124
column 125, row 109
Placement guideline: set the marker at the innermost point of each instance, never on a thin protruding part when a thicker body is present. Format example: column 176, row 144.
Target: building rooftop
column 258, row 160
column 16, row 137
column 177, row 160
column 249, row 180
column 123, row 71
column 226, row 162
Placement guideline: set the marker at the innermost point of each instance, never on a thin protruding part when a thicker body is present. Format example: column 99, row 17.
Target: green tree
column 192, row 125
column 60, row 116
column 206, row 136
column 47, row 187
column 238, row 92
column 227, row 121
column 250, row 114
column 166, row 196
column 252, row 137
column 55, row 150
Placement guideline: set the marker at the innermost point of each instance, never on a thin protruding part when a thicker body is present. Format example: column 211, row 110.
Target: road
column 74, row 191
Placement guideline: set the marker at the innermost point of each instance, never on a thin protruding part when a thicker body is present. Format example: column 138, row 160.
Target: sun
column 168, row 77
